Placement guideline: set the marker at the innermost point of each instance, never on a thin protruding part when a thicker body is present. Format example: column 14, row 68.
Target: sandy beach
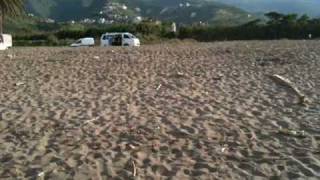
column 171, row 111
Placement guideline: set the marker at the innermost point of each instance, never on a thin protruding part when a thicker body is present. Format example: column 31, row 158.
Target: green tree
column 315, row 21
column 11, row 8
column 304, row 19
column 148, row 27
column 254, row 23
column 289, row 19
column 274, row 18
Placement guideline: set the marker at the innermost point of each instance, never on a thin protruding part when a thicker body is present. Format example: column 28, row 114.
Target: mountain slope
column 310, row 7
column 64, row 10
column 181, row 11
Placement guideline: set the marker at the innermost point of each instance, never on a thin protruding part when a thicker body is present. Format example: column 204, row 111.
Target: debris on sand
column 294, row 133
column 158, row 88
column 41, row 174
column 218, row 77
column 96, row 57
column 10, row 56
column 134, row 168
column 178, row 74
column 224, row 148
column 199, row 72
column 286, row 82
column 43, row 142
column 90, row 121
column 20, row 83
column 132, row 146
column 155, row 147
column 267, row 61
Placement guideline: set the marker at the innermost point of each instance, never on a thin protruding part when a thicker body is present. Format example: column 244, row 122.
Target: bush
column 148, row 28
column 52, row 40
column 150, row 39
column 35, row 36
column 29, row 42
column 73, row 34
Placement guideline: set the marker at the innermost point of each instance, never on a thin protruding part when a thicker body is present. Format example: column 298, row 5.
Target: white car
column 89, row 41
column 119, row 39
column 5, row 41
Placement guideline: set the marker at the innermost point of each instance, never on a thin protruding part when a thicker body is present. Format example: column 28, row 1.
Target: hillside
column 64, row 10
column 310, row 7
column 181, row 11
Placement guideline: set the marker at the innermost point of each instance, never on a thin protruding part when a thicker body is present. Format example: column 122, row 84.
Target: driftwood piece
column 20, row 83
column 90, row 121
column 287, row 83
column 158, row 88
column 294, row 133
column 134, row 168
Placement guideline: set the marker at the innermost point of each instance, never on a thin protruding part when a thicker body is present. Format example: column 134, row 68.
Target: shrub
column 52, row 40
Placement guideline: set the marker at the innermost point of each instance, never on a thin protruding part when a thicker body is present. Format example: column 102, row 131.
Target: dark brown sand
column 171, row 111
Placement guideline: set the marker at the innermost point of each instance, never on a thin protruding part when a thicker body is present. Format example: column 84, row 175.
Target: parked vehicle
column 119, row 39
column 5, row 41
column 86, row 42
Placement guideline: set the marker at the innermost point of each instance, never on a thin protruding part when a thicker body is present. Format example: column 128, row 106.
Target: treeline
column 274, row 26
column 147, row 31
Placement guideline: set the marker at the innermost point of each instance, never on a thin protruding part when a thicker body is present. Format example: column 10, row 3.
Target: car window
column 105, row 37
column 78, row 42
column 126, row 36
